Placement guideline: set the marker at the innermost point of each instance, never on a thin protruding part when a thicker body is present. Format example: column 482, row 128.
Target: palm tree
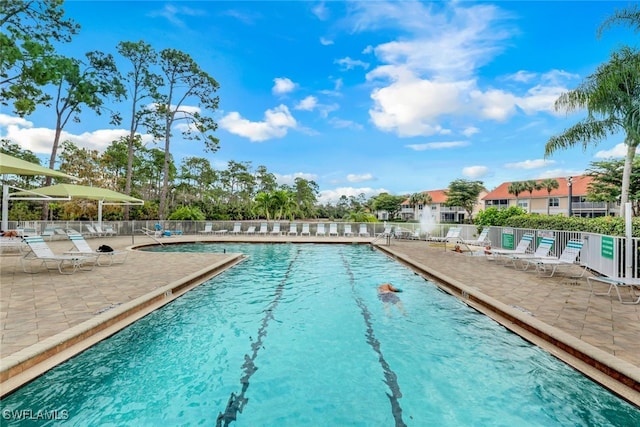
column 611, row 96
column 263, row 204
column 530, row 186
column 549, row 184
column 423, row 198
column 516, row 188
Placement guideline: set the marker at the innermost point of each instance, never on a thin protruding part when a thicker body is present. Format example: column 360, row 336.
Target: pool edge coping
column 24, row 366
column 613, row 373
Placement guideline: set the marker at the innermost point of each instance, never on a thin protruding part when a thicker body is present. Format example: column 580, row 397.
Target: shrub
column 187, row 213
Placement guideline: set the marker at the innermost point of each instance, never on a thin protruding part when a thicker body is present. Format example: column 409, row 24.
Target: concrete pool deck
column 47, row 317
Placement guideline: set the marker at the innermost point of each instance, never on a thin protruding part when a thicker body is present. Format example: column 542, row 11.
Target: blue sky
column 366, row 96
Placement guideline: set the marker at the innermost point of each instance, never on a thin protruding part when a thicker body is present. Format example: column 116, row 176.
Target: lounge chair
column 522, row 247
column 263, row 229
column 49, row 232
column 237, row 228
column 320, row 230
column 221, row 231
column 109, row 230
column 481, row 240
column 386, row 232
column 11, row 244
column 276, row 229
column 305, row 230
column 452, row 234
column 617, row 283
column 92, row 231
column 251, row 230
column 41, row 252
column 415, row 235
column 106, row 231
column 542, row 251
column 363, row 232
column 208, row 228
column 567, row 258
column 347, row 231
column 333, row 229
column 293, row 230
column 82, row 248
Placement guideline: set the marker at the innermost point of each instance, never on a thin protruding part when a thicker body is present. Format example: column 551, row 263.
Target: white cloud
column 325, row 42
column 521, row 76
column 283, row 85
column 557, row 173
column 475, row 171
column 275, row 124
column 410, row 106
column 471, row 130
column 320, row 11
column 40, row 140
column 172, row 13
column 290, row 179
column 437, row 145
column 359, row 178
column 620, row 150
column 307, row 104
column 349, row 64
column 344, row 124
column 332, row 196
column 530, row 164
column 494, row 104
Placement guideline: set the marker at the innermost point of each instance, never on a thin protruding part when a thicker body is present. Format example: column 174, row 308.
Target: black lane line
column 237, row 402
column 390, row 377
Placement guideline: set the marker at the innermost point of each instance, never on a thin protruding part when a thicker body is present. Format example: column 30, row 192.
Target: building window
column 554, row 202
column 523, row 203
column 434, row 207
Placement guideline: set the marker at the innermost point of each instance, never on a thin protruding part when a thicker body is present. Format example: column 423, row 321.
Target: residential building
column 554, row 203
column 437, row 209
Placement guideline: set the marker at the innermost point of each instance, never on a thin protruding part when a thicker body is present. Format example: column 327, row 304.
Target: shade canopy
column 15, row 166
column 80, row 192
column 73, row 191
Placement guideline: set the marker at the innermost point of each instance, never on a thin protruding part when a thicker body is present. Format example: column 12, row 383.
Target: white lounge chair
column 346, row 232
column 48, row 232
column 263, row 229
column 66, row 264
column 388, row 230
column 109, row 230
column 333, row 229
column 320, row 230
column 92, row 231
column 102, row 232
column 237, row 228
column 363, row 232
column 481, row 240
column 305, row 230
column 293, row 229
column 12, row 244
column 208, row 228
column 522, row 247
column 251, row 230
column 276, row 229
column 452, row 234
column 221, row 231
column 617, row 283
column 542, row 251
column 82, row 248
column 567, row 258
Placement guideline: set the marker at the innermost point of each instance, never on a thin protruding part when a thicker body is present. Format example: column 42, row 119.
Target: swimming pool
column 296, row 335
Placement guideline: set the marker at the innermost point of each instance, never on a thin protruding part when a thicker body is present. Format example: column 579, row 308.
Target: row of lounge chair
column 294, row 230
column 546, row 265
column 80, row 257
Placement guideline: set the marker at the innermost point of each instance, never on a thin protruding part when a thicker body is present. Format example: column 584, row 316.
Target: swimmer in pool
column 387, row 294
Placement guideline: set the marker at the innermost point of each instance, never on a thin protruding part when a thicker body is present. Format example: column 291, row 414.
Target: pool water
column 296, row 336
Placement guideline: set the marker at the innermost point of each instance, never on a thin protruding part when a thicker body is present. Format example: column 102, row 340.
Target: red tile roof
column 437, row 196
column 579, row 188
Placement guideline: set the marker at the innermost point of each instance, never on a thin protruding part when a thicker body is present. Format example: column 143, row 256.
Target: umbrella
column 14, row 166
column 69, row 191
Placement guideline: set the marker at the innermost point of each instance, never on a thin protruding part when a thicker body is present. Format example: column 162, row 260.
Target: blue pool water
column 296, row 336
